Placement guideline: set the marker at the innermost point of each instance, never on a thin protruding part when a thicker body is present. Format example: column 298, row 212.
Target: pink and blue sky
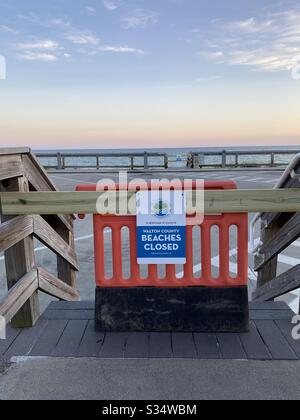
column 150, row 73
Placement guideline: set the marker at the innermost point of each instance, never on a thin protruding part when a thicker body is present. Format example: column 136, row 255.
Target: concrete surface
column 83, row 379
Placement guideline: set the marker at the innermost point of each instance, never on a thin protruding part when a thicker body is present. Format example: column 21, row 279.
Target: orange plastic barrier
column 188, row 276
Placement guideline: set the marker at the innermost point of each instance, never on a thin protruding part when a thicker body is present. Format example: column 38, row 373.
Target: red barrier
column 188, row 276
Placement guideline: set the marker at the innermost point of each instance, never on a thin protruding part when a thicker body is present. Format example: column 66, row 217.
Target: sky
column 149, row 73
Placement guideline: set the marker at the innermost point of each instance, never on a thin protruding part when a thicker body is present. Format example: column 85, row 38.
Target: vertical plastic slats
column 100, row 256
column 224, row 253
column 242, row 251
column 171, row 275
column 189, row 267
column 117, row 252
column 206, row 254
column 152, row 273
column 135, row 269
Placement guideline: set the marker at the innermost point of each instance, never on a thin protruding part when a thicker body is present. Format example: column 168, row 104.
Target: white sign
column 161, row 227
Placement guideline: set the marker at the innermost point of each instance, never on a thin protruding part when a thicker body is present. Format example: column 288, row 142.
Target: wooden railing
column 278, row 231
column 21, row 172
column 98, row 161
column 242, row 159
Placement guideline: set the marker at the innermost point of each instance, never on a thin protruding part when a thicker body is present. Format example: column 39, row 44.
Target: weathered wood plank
column 114, row 346
column 14, row 231
column 10, row 167
column 14, row 150
column 64, row 271
column 11, row 335
column 160, row 345
column 254, row 345
column 269, row 271
column 137, row 346
column 72, row 305
column 231, row 346
column 286, row 327
column 183, row 346
column 36, row 175
column 69, row 314
column 285, row 283
column 281, row 239
column 55, row 287
column 207, row 346
column 91, row 343
column 274, row 339
column 26, row 340
column 70, row 340
column 270, row 315
column 49, row 338
column 40, row 181
column 23, row 253
column 266, row 306
column 54, row 241
column 225, row 201
column 18, row 295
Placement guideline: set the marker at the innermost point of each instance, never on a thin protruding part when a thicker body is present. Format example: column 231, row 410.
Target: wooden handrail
column 20, row 172
column 227, row 201
column 18, row 295
column 279, row 230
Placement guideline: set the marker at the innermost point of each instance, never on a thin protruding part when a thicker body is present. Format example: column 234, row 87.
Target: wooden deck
column 67, row 330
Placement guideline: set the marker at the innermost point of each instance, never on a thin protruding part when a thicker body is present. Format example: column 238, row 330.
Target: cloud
column 268, row 43
column 38, row 45
column 121, row 49
column 40, row 50
column 81, row 37
column 8, row 29
column 140, row 18
column 91, row 10
column 110, row 5
column 61, row 23
column 38, row 56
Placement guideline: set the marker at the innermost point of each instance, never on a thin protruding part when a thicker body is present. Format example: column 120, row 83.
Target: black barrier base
column 191, row 309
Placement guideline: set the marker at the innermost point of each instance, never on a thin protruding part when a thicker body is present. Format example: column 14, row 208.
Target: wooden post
column 196, row 161
column 146, row 162
column 132, row 162
column 166, row 161
column 272, row 159
column 64, row 270
column 237, row 160
column 59, row 161
column 20, row 260
column 224, row 159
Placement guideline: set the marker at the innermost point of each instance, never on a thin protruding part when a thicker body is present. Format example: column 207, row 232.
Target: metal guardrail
column 98, row 161
column 146, row 160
